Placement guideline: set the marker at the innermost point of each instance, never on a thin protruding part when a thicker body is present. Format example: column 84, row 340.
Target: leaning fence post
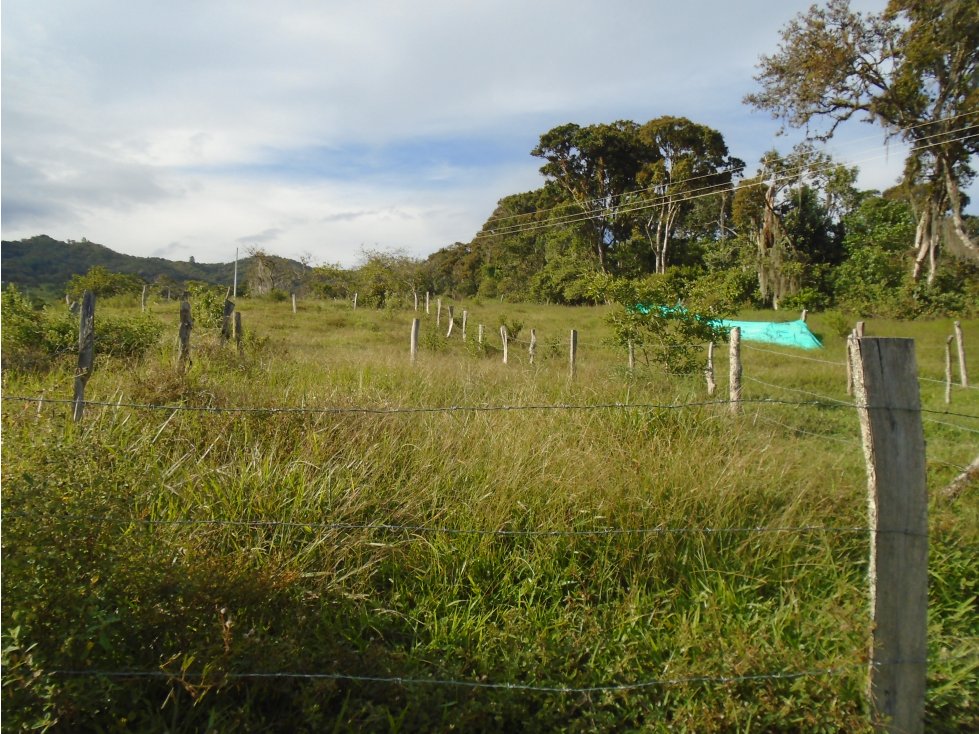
column 415, row 324
column 857, row 333
column 86, row 352
column 465, row 317
column 735, row 373
column 503, row 336
column 452, row 322
column 186, row 324
column 960, row 346
column 709, row 372
column 533, row 345
column 573, row 354
column 889, row 405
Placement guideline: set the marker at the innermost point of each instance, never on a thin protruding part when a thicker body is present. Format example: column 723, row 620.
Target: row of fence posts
column 231, row 328
column 885, row 383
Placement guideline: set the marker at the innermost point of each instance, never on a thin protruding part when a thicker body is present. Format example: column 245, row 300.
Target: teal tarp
column 786, row 333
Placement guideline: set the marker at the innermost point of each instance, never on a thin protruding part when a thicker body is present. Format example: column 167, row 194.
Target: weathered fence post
column 452, row 322
column 632, row 356
column 227, row 321
column 427, row 309
column 479, row 334
column 86, row 353
column 804, row 315
column 355, row 301
column 438, row 313
column 415, row 324
column 239, row 334
column 960, row 346
column 948, row 370
column 415, row 293
column 735, row 373
column 186, row 324
column 503, row 336
column 294, row 303
column 573, row 354
column 709, row 372
column 533, row 345
column 889, row 405
column 142, row 299
column 465, row 317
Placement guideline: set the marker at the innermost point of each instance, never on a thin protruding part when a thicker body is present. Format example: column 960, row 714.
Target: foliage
column 206, row 304
column 102, row 282
column 669, row 319
column 911, row 68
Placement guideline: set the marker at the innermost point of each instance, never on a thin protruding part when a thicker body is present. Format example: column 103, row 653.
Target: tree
column 103, row 282
column 785, row 212
column 690, row 162
column 596, row 166
column 913, row 69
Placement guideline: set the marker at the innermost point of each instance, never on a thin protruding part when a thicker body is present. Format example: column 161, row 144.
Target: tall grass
column 588, row 551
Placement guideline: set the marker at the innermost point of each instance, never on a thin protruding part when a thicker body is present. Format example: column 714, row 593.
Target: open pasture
column 319, row 535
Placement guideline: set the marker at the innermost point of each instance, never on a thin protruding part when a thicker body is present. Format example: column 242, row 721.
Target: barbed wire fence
column 902, row 668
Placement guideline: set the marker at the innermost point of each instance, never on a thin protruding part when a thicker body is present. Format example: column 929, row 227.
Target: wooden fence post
column 573, row 354
column 735, row 373
column 804, row 315
column 186, row 325
column 479, row 334
column 709, row 372
column 960, row 346
column 465, row 317
column 142, row 299
column 427, row 309
column 889, row 405
column 416, row 299
column 533, row 345
column 86, row 353
column 948, row 370
column 294, row 303
column 239, row 334
column 438, row 313
column 452, row 322
column 355, row 301
column 503, row 336
column 415, row 324
column 227, row 321
column 632, row 356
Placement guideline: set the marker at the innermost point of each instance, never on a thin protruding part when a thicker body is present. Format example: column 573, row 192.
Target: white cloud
column 189, row 126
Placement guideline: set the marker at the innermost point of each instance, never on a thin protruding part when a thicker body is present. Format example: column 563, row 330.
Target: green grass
column 117, row 557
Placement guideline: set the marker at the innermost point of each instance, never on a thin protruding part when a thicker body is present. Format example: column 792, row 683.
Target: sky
column 324, row 128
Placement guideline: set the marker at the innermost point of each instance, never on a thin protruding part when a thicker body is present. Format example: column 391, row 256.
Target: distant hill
column 46, row 263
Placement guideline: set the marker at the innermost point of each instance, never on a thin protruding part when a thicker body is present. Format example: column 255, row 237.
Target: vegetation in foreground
column 191, row 556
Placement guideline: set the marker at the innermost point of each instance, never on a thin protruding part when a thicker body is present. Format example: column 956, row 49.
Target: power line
column 597, row 201
column 785, row 174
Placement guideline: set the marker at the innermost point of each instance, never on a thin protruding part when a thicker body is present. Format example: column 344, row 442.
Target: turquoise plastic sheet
column 786, row 333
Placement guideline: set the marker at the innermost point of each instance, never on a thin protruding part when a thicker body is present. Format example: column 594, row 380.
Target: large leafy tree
column 690, row 162
column 914, row 69
column 596, row 166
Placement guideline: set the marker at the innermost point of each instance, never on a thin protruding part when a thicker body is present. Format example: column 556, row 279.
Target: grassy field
column 356, row 566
